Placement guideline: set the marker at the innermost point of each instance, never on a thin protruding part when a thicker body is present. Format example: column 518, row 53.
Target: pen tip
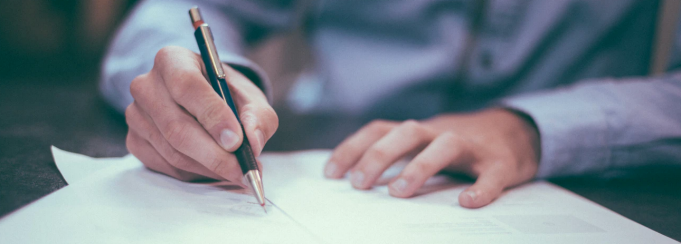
column 263, row 208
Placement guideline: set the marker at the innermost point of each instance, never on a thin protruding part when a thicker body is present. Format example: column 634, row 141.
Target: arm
column 155, row 24
column 604, row 126
column 608, row 126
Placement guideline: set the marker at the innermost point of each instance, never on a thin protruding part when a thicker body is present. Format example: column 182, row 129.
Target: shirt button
column 486, row 59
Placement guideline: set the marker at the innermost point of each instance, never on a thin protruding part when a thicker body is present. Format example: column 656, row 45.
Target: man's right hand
column 180, row 126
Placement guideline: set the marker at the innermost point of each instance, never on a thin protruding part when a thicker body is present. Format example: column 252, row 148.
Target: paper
column 126, row 203
column 123, row 203
column 538, row 212
column 74, row 167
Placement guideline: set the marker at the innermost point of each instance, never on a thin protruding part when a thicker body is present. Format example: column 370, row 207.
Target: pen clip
column 207, row 35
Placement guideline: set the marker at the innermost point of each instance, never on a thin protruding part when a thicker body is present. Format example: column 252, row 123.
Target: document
column 120, row 201
column 123, row 202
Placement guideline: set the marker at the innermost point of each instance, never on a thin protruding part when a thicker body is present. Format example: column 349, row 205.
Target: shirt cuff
column 573, row 131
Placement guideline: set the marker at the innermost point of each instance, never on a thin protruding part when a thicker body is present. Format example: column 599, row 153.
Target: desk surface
column 72, row 117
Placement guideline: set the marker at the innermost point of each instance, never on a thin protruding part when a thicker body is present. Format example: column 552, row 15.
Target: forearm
column 606, row 125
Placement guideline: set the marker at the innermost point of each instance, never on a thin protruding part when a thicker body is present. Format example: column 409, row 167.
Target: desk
column 72, row 117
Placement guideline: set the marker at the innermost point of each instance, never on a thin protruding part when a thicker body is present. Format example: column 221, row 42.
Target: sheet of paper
column 538, row 212
column 74, row 167
column 126, row 203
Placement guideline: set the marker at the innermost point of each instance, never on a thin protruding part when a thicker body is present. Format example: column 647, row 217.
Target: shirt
column 576, row 67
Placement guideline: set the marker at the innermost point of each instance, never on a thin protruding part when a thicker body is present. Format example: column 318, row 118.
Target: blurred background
column 66, row 40
column 49, row 60
column 62, row 39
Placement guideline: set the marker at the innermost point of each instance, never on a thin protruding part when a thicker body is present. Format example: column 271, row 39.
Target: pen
column 216, row 77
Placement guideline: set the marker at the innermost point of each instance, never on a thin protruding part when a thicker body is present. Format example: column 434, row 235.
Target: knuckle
column 137, row 86
column 175, row 159
column 339, row 156
column 130, row 115
column 377, row 124
column 377, row 127
column 130, row 144
column 411, row 128
column 221, row 167
column 415, row 171
column 273, row 119
column 343, row 163
column 410, row 123
column 157, row 138
column 177, row 133
column 507, row 165
column 421, row 168
column 266, row 116
column 269, row 114
column 248, row 108
column 181, row 81
column 270, row 119
column 212, row 114
column 165, row 54
column 477, row 169
column 378, row 153
column 451, row 139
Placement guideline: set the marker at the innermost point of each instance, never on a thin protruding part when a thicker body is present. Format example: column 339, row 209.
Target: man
column 556, row 88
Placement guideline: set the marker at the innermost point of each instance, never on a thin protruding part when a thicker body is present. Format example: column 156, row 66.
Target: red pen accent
column 197, row 24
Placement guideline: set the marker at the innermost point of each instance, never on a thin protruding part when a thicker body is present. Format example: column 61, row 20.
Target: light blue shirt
column 577, row 67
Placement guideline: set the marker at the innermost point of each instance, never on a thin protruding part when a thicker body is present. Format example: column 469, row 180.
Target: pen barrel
column 244, row 153
column 219, row 84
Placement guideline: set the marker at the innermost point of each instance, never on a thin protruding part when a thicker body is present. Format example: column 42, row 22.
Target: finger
column 258, row 118
column 446, row 149
column 400, row 141
column 260, row 122
column 142, row 125
column 351, row 149
column 486, row 188
column 190, row 89
column 243, row 89
column 152, row 160
column 181, row 130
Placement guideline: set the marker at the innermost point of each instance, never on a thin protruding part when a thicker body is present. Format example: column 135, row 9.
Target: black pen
column 216, row 77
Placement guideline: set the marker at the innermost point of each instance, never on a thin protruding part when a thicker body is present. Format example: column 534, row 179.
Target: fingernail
column 399, row 185
column 357, row 178
column 261, row 138
column 330, row 169
column 472, row 194
column 228, row 139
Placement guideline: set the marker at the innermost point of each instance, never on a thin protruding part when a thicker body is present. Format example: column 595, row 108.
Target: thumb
column 486, row 188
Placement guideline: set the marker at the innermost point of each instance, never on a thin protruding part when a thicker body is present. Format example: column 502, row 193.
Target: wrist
column 529, row 128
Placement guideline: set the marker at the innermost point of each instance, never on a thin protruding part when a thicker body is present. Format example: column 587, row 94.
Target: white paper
column 74, row 167
column 125, row 203
column 537, row 212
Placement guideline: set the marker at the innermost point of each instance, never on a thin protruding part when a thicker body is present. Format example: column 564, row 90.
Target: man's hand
column 496, row 146
column 181, row 127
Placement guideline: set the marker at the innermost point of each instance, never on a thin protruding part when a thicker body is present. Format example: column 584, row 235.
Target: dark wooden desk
column 71, row 116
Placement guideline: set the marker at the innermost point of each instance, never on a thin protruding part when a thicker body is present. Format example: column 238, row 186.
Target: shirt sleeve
column 154, row 24
column 606, row 126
